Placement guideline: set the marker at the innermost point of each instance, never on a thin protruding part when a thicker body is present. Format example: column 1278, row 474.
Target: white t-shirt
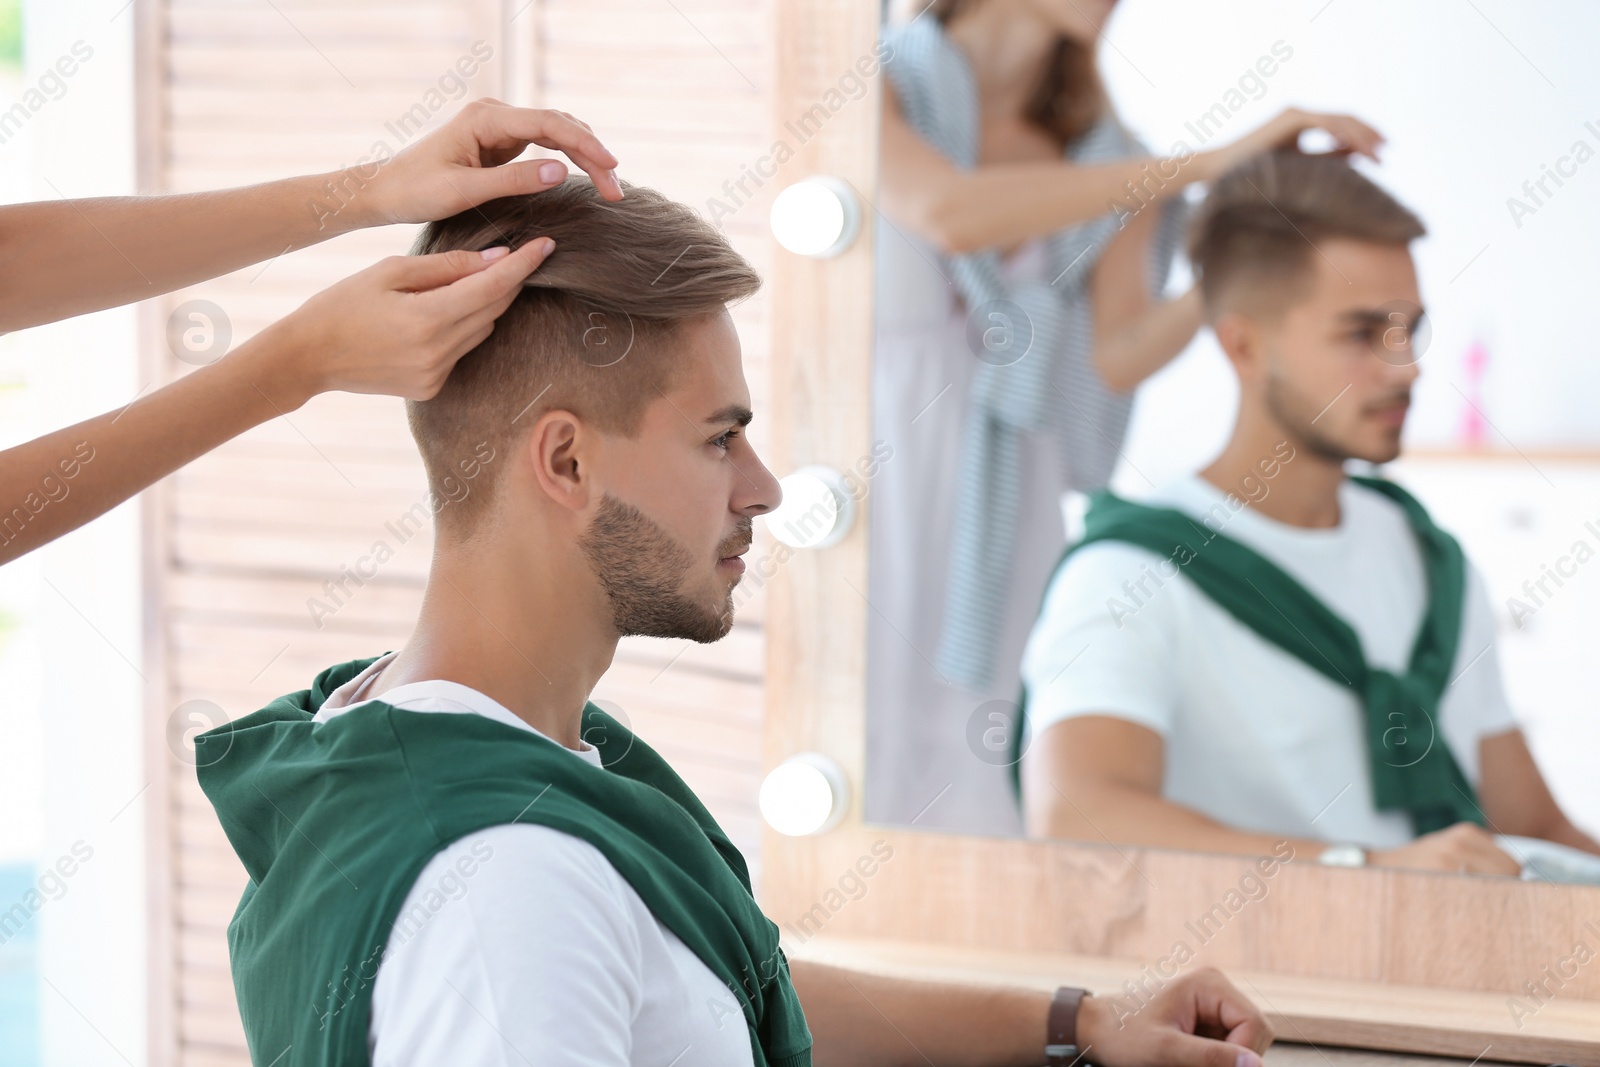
column 1254, row 738
column 522, row 945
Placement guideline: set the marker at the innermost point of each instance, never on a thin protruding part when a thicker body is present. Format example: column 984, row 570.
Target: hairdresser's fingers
column 1354, row 134
column 447, row 342
column 467, row 337
column 477, row 185
column 501, row 128
column 498, row 284
column 477, row 325
column 470, row 314
column 1351, row 133
column 455, row 345
column 416, row 274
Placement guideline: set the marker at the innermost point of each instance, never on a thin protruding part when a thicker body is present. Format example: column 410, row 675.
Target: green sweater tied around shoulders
column 334, row 821
column 1411, row 767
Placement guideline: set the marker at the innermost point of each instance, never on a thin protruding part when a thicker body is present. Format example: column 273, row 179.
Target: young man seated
column 454, row 857
column 1271, row 649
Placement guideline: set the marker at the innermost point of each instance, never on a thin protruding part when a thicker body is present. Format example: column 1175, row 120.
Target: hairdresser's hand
column 397, row 327
column 1350, row 133
column 468, row 161
column 1464, row 848
column 1196, row 1020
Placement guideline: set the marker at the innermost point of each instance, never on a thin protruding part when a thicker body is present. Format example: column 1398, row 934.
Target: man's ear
column 1240, row 339
column 561, row 449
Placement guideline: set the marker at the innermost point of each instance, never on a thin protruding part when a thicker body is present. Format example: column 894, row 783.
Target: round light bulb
column 816, row 511
column 815, row 217
column 805, row 794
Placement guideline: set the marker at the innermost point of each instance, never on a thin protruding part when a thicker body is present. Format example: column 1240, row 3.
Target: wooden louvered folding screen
column 242, row 541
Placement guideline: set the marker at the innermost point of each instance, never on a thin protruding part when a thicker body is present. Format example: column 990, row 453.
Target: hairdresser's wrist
column 280, row 364
column 1207, row 166
column 340, row 201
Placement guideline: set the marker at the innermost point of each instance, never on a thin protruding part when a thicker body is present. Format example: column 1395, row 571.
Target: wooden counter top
column 1306, row 1013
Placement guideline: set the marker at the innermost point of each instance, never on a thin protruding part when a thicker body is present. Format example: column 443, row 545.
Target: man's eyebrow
column 1376, row 316
column 732, row 413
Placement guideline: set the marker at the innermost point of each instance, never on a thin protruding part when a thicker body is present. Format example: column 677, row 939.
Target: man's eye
column 723, row 440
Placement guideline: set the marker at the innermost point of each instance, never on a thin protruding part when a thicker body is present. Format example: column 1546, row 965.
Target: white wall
column 92, row 949
column 1475, row 99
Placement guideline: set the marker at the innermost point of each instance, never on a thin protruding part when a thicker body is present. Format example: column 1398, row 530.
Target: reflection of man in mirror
column 1272, row 649
column 1023, row 250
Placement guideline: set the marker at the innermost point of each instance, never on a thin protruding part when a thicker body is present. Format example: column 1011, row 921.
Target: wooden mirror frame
column 1374, row 958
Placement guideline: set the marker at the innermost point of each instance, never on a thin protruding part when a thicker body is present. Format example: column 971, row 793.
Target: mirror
column 998, row 338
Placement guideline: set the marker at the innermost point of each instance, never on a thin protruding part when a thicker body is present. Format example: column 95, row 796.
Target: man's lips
column 1394, row 414
column 734, row 558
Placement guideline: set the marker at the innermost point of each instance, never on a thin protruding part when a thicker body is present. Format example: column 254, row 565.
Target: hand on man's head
column 399, row 326
column 469, row 160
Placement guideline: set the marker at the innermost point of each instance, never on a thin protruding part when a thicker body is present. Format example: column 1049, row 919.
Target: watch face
column 1343, row 856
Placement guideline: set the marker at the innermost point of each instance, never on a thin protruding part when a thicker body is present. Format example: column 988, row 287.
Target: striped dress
column 984, row 388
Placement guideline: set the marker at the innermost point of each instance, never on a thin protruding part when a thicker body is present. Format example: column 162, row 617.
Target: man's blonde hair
column 1253, row 239
column 590, row 333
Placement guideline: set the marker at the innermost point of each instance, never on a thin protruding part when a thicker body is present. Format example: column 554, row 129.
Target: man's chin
column 1386, row 450
column 714, row 631
column 719, row 621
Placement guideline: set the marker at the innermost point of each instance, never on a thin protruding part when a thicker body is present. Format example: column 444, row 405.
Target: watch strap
column 1061, row 1044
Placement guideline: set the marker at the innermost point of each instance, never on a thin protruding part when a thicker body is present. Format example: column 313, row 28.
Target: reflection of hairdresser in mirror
column 1028, row 236
column 1271, row 649
column 396, row 327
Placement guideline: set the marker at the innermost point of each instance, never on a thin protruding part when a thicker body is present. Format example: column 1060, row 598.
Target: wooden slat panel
column 283, row 598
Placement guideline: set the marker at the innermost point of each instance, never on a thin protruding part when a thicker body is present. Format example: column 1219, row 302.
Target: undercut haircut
column 1252, row 240
column 591, row 331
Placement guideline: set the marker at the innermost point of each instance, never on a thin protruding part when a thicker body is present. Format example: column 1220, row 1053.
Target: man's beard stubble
column 1297, row 414
column 641, row 567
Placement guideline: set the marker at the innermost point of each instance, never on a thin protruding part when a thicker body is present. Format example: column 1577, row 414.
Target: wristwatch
column 1343, row 855
column 1061, row 1043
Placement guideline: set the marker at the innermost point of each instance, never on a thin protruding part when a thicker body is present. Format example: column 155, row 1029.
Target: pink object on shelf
column 1474, row 428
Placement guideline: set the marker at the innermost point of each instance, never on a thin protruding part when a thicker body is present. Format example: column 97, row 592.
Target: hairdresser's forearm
column 67, row 257
column 872, row 1020
column 58, row 482
column 1004, row 203
column 1151, row 341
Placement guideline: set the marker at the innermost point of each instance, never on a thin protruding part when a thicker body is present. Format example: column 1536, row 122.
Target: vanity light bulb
column 815, row 217
column 817, row 509
column 805, row 794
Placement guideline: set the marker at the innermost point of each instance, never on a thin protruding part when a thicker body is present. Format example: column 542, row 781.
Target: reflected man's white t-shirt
column 522, row 945
column 1253, row 738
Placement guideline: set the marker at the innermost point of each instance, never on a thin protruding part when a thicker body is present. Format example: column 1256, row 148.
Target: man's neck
column 513, row 634
column 1304, row 491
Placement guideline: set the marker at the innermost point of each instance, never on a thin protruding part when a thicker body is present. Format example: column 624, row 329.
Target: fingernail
column 1247, row 1059
column 492, row 254
column 551, row 171
column 549, row 246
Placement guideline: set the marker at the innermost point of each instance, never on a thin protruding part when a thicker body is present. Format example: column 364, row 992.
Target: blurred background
column 212, row 595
